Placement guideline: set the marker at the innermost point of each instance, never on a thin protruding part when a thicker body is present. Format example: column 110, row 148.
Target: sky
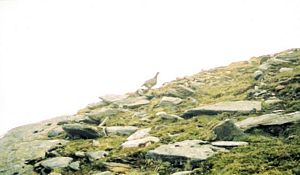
column 57, row 56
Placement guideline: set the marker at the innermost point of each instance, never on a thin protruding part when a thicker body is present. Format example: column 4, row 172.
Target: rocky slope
column 240, row 119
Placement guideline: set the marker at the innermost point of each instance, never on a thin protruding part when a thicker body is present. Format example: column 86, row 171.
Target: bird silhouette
column 151, row 82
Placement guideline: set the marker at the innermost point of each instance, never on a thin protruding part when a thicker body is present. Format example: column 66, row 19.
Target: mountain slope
column 238, row 119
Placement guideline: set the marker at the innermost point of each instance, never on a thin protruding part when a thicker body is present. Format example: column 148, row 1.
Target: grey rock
column 56, row 162
column 55, row 133
column 285, row 69
column 77, row 131
column 142, row 142
column 268, row 120
column 121, row 130
column 96, row 155
column 230, row 106
column 227, row 130
column 170, row 101
column 135, row 102
column 101, row 113
column 80, row 154
column 181, row 92
column 180, row 152
column 116, row 167
column 183, row 173
column 112, row 98
column 75, row 165
column 273, row 101
column 229, row 143
column 141, row 133
column 97, row 105
column 257, row 74
column 168, row 117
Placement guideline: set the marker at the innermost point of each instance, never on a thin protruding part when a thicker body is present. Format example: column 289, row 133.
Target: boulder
column 142, row 142
column 77, row 131
column 170, row 101
column 99, row 114
column 285, row 69
column 181, row 92
column 178, row 153
column 112, row 98
column 79, row 154
column 168, row 117
column 96, row 105
column 245, row 107
column 96, row 155
column 229, row 143
column 227, row 130
column 121, row 130
column 56, row 162
column 141, row 133
column 257, row 74
column 135, row 102
column 268, row 120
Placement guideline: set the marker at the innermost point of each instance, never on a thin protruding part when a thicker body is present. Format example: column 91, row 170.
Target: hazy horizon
column 58, row 56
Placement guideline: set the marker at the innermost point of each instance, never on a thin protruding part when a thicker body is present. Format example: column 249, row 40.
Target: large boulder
column 268, row 120
column 229, row 106
column 180, row 152
column 227, row 130
column 99, row 114
column 77, row 131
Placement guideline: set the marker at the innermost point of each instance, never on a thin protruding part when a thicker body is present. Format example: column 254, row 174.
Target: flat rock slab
column 229, row 143
column 139, row 134
column 113, row 98
column 77, row 131
column 181, row 92
column 135, row 102
column 180, row 152
column 269, row 120
column 168, row 117
column 140, row 142
column 183, row 173
column 121, row 130
column 56, row 162
column 230, row 106
column 96, row 155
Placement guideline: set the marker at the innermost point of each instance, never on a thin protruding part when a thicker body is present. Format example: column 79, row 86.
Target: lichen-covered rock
column 169, row 101
column 101, row 113
column 96, row 155
column 181, row 92
column 77, row 131
column 168, row 117
column 141, row 133
column 229, row 106
column 142, row 142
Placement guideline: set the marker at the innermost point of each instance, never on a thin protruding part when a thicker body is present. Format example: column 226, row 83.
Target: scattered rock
column 104, row 173
column 180, row 152
column 56, row 162
column 140, row 142
column 77, row 131
column 227, row 130
column 136, row 102
column 273, row 101
column 181, row 92
column 285, row 69
column 96, row 155
column 168, row 117
column 112, row 98
column 121, row 130
column 80, row 154
column 139, row 134
column 229, row 143
column 230, row 106
column 96, row 105
column 75, row 165
column 55, row 133
column 257, row 75
column 268, row 120
column 99, row 114
column 183, row 173
column 170, row 101
column 117, row 167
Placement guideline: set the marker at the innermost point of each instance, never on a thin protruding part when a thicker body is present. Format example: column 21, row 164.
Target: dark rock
column 227, row 130
column 77, row 131
column 257, row 75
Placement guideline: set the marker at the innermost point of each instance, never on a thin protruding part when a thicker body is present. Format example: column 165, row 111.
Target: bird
column 151, row 82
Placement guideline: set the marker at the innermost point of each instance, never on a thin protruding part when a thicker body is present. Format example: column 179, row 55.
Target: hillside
column 243, row 118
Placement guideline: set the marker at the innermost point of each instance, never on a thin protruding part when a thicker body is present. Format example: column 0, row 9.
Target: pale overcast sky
column 56, row 56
